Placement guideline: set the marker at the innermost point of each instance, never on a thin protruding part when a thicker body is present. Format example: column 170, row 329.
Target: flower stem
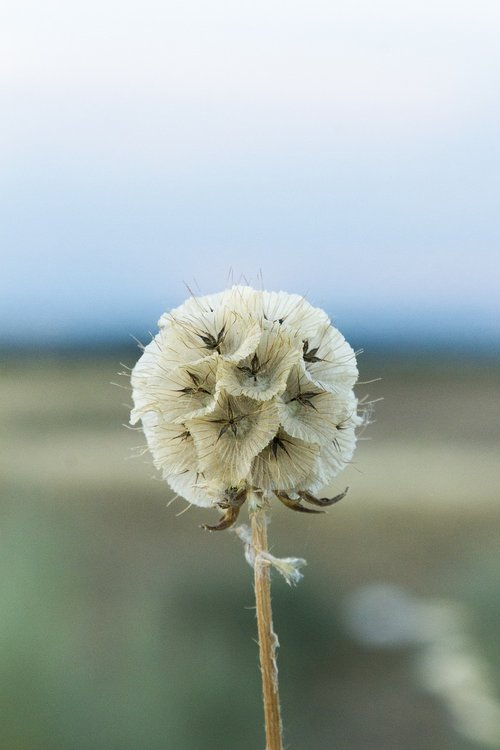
column 268, row 641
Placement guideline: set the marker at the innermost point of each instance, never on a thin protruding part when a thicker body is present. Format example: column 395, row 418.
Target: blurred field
column 124, row 626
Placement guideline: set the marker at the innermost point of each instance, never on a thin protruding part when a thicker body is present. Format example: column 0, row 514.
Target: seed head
column 247, row 391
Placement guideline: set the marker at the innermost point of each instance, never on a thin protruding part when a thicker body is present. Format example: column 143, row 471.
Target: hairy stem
column 268, row 641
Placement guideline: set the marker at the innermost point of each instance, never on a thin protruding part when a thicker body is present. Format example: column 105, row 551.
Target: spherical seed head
column 246, row 389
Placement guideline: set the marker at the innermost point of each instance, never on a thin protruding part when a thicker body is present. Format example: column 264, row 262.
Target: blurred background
column 347, row 151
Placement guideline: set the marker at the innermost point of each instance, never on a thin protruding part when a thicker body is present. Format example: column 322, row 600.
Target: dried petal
column 328, row 360
column 337, row 452
column 228, row 439
column 263, row 374
column 293, row 312
column 308, row 412
column 285, row 463
column 191, row 486
column 178, row 394
column 172, row 446
column 223, row 331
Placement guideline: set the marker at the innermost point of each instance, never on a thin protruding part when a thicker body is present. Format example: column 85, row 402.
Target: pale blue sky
column 348, row 149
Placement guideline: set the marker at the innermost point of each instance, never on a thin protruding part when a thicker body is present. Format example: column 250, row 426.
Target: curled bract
column 247, row 391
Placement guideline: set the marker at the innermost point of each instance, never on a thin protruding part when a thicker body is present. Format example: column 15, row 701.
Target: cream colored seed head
column 247, row 390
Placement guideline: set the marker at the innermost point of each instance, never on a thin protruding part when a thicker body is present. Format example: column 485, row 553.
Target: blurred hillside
column 124, row 625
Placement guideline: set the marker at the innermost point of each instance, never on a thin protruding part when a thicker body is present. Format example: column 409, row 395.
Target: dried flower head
column 247, row 392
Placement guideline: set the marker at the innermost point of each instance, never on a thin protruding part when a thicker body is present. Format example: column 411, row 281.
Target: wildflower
column 247, row 393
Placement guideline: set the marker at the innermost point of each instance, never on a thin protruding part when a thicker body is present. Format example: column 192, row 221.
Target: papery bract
column 247, row 389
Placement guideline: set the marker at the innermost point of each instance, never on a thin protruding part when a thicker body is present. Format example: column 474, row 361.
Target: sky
column 348, row 151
